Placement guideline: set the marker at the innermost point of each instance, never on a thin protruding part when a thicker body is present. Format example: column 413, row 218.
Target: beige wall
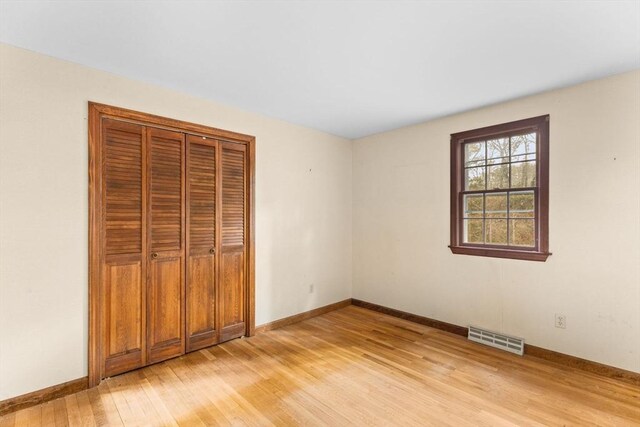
column 304, row 218
column 401, row 227
column 303, row 210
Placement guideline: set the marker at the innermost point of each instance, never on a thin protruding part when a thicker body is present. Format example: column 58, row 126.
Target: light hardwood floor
column 349, row 367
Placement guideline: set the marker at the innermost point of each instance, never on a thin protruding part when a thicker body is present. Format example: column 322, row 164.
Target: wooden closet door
column 233, row 203
column 201, row 296
column 122, row 255
column 165, row 285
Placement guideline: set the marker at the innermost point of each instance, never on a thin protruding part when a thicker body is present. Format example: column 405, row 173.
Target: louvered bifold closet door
column 123, row 232
column 233, row 233
column 201, row 242
column 165, row 285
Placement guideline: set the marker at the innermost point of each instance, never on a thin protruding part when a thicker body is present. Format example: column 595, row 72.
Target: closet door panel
column 123, row 302
column 165, row 311
column 123, row 292
column 233, row 231
column 165, row 286
column 232, row 268
column 201, row 298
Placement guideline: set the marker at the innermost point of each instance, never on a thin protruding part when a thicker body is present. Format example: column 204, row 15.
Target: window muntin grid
column 500, row 191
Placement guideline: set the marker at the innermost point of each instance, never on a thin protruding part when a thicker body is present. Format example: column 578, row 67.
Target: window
column 500, row 190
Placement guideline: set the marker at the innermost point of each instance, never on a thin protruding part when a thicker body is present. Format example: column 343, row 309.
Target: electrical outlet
column 561, row 321
column 311, row 288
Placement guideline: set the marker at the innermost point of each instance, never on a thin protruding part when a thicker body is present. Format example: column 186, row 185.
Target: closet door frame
column 96, row 113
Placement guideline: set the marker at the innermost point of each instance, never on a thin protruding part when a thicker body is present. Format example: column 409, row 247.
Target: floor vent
column 503, row 342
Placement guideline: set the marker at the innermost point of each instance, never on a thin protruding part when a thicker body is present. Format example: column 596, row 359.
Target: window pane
column 498, row 177
column 522, row 232
column 521, row 204
column 474, row 179
column 496, row 231
column 498, row 151
column 473, row 206
column 473, row 231
column 523, row 145
column 523, row 174
column 474, row 154
column 496, row 205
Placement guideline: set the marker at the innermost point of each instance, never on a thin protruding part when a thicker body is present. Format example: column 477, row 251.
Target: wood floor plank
column 241, row 408
column 97, row 408
column 73, row 410
column 8, row 420
column 289, row 386
column 84, row 407
column 203, row 408
column 48, row 414
column 417, row 383
column 107, row 403
column 29, row 417
column 173, row 393
column 157, row 402
column 60, row 412
column 282, row 390
column 270, row 393
column 348, row 367
column 116, row 387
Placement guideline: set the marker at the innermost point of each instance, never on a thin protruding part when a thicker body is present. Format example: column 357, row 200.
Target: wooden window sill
column 501, row 253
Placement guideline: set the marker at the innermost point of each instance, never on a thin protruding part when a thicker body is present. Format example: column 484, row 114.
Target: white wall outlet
column 311, row 288
column 561, row 321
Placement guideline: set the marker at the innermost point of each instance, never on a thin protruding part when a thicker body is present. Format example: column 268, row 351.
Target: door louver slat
column 233, row 195
column 123, row 188
column 202, row 196
column 166, row 194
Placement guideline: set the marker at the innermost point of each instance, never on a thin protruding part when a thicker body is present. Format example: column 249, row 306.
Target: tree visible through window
column 500, row 190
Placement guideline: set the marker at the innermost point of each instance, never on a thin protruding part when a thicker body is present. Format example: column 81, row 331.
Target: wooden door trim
column 146, row 119
column 95, row 207
column 250, row 239
column 96, row 112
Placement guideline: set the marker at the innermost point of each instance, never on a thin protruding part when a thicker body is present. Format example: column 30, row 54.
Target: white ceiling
column 351, row 68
